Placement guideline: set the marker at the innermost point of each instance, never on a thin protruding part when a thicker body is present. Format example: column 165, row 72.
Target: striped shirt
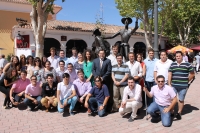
column 119, row 72
column 180, row 74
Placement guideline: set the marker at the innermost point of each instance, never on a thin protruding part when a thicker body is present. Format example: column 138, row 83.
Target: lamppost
column 155, row 46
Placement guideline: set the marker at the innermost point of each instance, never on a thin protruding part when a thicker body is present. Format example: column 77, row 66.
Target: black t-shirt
column 48, row 91
column 9, row 80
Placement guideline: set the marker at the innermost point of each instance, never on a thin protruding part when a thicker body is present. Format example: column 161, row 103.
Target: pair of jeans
column 5, row 91
column 149, row 85
column 165, row 117
column 18, row 98
column 94, row 106
column 30, row 103
column 71, row 101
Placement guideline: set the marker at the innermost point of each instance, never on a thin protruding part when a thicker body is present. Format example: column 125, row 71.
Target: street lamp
column 155, row 46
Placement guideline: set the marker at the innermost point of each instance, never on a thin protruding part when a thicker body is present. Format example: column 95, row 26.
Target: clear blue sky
column 86, row 11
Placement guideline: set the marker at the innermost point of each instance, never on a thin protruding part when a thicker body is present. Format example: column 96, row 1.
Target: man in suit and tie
column 102, row 67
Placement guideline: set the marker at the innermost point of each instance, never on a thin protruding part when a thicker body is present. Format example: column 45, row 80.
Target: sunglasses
column 37, row 61
column 160, row 81
column 97, row 80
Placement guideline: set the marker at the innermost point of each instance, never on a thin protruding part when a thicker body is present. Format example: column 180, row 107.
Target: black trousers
column 5, row 91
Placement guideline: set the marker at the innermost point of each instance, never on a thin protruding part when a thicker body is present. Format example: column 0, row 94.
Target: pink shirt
column 33, row 90
column 82, row 87
column 20, row 85
column 164, row 95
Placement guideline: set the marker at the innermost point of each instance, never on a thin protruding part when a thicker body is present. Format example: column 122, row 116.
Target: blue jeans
column 30, row 103
column 165, row 117
column 149, row 85
column 71, row 101
column 94, row 106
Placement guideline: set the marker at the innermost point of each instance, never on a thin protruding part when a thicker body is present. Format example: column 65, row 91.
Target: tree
column 39, row 15
column 143, row 10
column 185, row 15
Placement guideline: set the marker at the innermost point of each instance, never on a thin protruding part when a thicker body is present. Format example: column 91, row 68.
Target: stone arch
column 140, row 48
column 80, row 45
column 48, row 43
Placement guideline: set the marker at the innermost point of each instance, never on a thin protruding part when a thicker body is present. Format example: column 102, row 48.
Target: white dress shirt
column 54, row 61
column 135, row 68
column 134, row 93
column 65, row 90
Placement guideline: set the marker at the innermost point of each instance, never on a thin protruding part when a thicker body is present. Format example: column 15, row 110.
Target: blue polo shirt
column 100, row 93
column 150, row 69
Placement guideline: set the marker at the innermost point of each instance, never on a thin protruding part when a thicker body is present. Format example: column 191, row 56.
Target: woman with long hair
column 79, row 64
column 6, row 83
column 37, row 68
column 87, row 66
column 13, row 64
column 29, row 64
column 48, row 70
column 22, row 62
column 43, row 60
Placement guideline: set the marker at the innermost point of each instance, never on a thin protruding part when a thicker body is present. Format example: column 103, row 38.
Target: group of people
column 102, row 84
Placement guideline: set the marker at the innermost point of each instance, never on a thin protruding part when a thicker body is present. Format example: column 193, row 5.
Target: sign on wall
column 24, row 42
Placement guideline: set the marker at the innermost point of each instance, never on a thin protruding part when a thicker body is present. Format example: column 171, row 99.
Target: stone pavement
column 23, row 121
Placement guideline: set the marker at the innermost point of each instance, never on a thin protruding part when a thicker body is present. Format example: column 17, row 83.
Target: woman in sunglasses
column 37, row 68
column 97, row 98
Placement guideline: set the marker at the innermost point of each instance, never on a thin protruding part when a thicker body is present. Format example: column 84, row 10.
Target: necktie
column 101, row 63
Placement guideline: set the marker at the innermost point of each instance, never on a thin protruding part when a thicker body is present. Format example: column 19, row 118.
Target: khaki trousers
column 117, row 96
column 44, row 102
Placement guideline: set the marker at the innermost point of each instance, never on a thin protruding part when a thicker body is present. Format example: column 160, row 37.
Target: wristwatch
column 103, row 105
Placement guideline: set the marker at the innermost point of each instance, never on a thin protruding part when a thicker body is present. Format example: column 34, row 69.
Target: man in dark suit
column 102, row 67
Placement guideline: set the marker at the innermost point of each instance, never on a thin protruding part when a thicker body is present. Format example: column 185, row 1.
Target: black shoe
column 131, row 119
column 178, row 116
column 91, row 114
column 172, row 114
column 155, row 120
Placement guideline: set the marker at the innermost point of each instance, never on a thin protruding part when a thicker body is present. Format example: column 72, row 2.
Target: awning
column 196, row 48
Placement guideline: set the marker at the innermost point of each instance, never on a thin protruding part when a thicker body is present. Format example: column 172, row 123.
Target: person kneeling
column 165, row 100
column 33, row 94
column 135, row 102
column 97, row 98
column 49, row 93
column 66, row 94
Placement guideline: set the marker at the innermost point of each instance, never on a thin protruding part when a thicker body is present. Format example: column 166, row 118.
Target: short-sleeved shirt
column 163, row 96
column 48, row 91
column 119, row 72
column 9, row 80
column 82, row 87
column 162, row 68
column 150, row 69
column 65, row 90
column 20, row 85
column 180, row 74
column 33, row 90
column 60, row 73
column 100, row 93
column 134, row 93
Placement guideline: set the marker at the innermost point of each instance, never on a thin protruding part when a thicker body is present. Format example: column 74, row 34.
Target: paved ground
column 18, row 121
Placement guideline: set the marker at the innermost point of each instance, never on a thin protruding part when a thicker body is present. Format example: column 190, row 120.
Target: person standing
column 135, row 67
column 97, row 98
column 194, row 64
column 37, row 69
column 87, row 66
column 79, row 64
column 150, row 62
column 133, row 91
column 198, row 62
column 29, row 65
column 102, row 67
column 63, row 58
column 165, row 100
column 66, row 94
column 74, row 57
column 60, row 71
column 162, row 66
column 3, row 61
column 185, row 57
column 54, row 59
column 180, row 73
column 120, row 73
column 112, row 56
column 33, row 94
